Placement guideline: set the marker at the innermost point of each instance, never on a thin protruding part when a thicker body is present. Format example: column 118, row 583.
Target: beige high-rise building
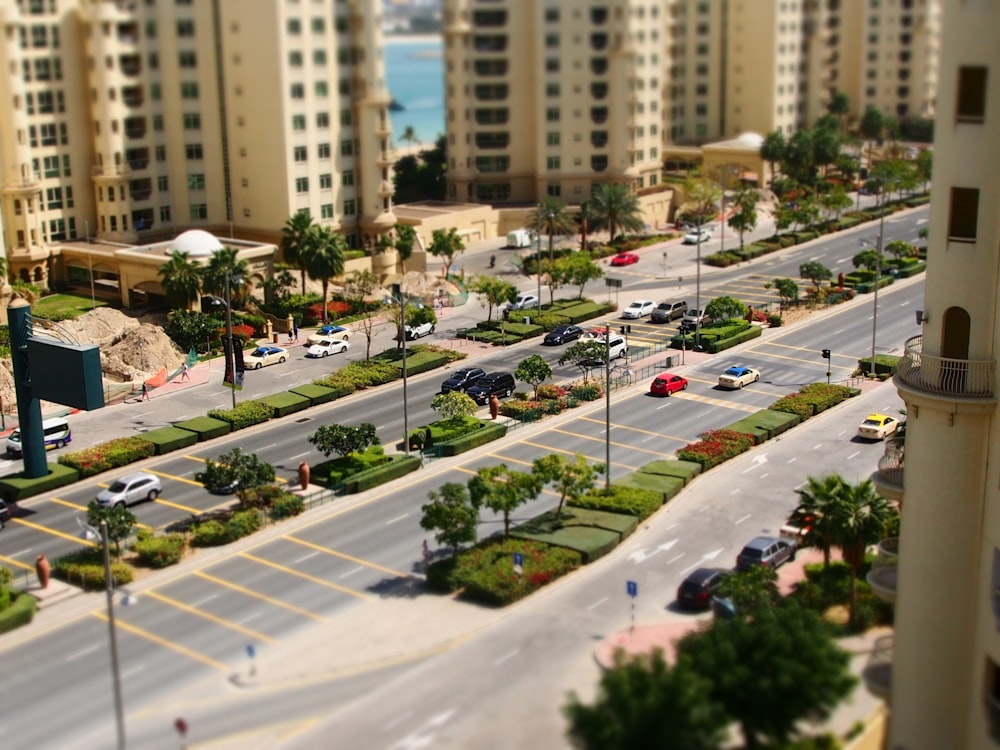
column 131, row 120
column 942, row 673
column 551, row 96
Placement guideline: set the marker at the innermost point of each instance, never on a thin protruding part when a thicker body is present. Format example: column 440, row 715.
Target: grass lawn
column 64, row 306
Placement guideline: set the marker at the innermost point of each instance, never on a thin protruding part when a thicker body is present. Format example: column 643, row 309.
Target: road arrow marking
column 640, row 555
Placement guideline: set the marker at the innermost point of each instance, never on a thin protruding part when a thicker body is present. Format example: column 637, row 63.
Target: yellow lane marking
column 262, row 597
column 345, row 556
column 16, row 563
column 176, row 478
column 550, row 449
column 771, row 355
column 39, row 527
column 601, row 440
column 306, row 576
column 170, row 645
column 717, row 402
column 283, row 731
column 638, row 429
column 210, row 617
column 67, row 503
column 178, row 506
column 508, row 459
column 802, row 349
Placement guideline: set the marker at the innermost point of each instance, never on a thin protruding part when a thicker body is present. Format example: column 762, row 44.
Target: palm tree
column 181, row 280
column 616, row 207
column 551, row 217
column 584, row 220
column 294, row 236
column 222, row 263
column 816, row 501
column 325, row 259
column 409, row 135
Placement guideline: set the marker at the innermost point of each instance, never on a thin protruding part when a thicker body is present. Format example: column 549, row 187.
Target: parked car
column 415, row 332
column 616, row 349
column 624, row 259
column 500, row 384
column 665, row 384
column 4, row 513
column 696, row 591
column 265, row 355
column 877, row 427
column 326, row 347
column 797, row 526
column 766, row 550
column 668, row 311
column 738, row 376
column 562, row 334
column 462, row 379
column 131, row 488
column 639, row 309
column 329, row 332
column 694, row 317
column 697, row 235
column 524, row 301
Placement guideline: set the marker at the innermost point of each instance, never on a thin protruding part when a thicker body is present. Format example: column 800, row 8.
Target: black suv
column 498, row 384
column 696, row 591
column 460, row 380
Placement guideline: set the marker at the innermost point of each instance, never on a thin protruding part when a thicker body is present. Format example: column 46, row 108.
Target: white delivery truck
column 520, row 238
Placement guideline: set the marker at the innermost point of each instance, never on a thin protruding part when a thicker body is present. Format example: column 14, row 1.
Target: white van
column 56, row 431
column 520, row 238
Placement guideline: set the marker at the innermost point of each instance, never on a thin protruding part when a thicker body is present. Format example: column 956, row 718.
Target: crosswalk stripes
column 687, row 396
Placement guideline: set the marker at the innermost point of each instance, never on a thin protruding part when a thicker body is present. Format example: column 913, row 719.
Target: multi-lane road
column 195, row 623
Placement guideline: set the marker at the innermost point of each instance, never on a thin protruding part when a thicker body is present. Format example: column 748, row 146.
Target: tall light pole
column 538, row 254
column 878, row 274
column 397, row 293
column 697, row 288
column 607, row 409
column 230, row 352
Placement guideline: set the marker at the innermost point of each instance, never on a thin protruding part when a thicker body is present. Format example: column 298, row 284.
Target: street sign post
column 518, row 563
column 632, row 589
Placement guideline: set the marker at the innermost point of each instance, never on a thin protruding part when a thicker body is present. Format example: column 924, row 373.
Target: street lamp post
column 697, row 289
column 115, row 667
column 607, row 410
column 538, row 255
column 397, row 293
column 230, row 352
column 878, row 276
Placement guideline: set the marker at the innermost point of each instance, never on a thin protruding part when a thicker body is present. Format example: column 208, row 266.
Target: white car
column 329, row 332
column 697, row 235
column 639, row 309
column 421, row 329
column 738, row 376
column 326, row 347
column 877, row 427
column 265, row 355
column 131, row 488
column 524, row 301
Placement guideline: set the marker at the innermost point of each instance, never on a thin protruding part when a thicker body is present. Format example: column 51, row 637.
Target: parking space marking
column 345, row 556
column 262, row 597
column 62, row 534
column 601, row 440
column 67, row 503
column 170, row 645
column 304, row 576
column 178, row 506
column 716, row 401
column 595, row 459
column 638, row 429
column 208, row 616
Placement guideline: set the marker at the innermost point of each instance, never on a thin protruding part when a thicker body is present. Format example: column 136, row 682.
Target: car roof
column 761, row 542
column 879, row 417
column 136, row 475
column 700, row 575
column 736, row 369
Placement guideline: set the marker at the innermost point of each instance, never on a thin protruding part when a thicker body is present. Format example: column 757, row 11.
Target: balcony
column 877, row 673
column 130, row 65
column 888, row 477
column 133, row 96
column 956, row 378
column 135, row 127
column 882, row 576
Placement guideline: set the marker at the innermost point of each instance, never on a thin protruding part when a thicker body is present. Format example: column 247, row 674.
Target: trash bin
column 274, row 338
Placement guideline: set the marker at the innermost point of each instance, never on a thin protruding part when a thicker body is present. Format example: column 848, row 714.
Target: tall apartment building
column 547, row 97
column 131, row 120
column 943, row 680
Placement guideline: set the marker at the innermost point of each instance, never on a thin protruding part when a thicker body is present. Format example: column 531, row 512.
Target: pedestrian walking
column 145, row 391
column 295, row 333
column 185, row 372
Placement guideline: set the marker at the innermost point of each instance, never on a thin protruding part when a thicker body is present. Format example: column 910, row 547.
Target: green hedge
column 109, row 455
column 215, row 533
column 420, row 362
column 85, row 569
column 160, row 551
column 636, row 502
column 205, row 428
column 20, row 612
column 672, row 467
column 317, row 394
column 885, row 364
column 719, row 345
column 582, row 311
column 167, row 439
column 244, row 415
column 592, row 533
column 715, row 447
column 765, row 424
column 338, row 388
column 912, row 269
column 397, row 466
column 665, row 486
column 472, row 440
column 812, row 399
column 15, row 487
column 286, row 402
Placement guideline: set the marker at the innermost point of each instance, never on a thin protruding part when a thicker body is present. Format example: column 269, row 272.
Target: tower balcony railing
column 945, row 375
column 882, row 576
column 877, row 673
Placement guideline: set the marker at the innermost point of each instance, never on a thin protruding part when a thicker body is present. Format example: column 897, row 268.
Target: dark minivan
column 697, row 590
column 498, row 384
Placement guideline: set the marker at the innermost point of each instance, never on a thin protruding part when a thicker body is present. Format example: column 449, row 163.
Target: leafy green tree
column 615, row 207
column 868, row 259
column 848, row 165
column 551, row 277
column 409, row 135
column 816, row 272
column 244, row 471
column 871, row 127
column 772, row 671
column 816, row 500
column 276, row 288
column 644, row 703
column 924, row 164
column 751, row 590
column 452, row 514
column 576, row 270
column 840, row 107
column 772, row 150
column 800, row 160
column 325, row 259
column 744, row 218
column 826, row 147
column 406, row 239
column 181, row 280
column 446, row 245
column 551, row 217
column 454, row 405
column 585, row 354
column 900, row 249
column 835, row 201
column 295, row 241
column 725, row 308
column 788, row 291
column 701, row 200
column 225, row 261
column 189, row 328
column 119, row 519
column 534, row 371
column 344, row 439
column 571, row 479
column 805, row 211
column 503, row 490
column 493, row 291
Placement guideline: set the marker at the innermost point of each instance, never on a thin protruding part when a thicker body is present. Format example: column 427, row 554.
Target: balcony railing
column 882, row 576
column 945, row 375
column 878, row 671
column 890, row 465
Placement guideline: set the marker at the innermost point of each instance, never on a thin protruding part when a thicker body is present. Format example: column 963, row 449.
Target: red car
column 665, row 384
column 624, row 259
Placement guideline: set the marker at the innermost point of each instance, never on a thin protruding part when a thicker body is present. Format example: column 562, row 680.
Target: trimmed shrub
column 286, row 402
column 16, row 487
column 774, row 321
column 523, row 410
column 160, row 551
column 20, row 611
column 396, row 467
column 245, row 414
column 812, row 399
column 110, row 455
column 664, row 486
column 210, row 533
column 287, row 505
column 317, row 394
column 85, row 569
column 633, row 501
column 168, row 439
column 472, row 440
column 715, row 447
column 205, row 428
column 588, row 392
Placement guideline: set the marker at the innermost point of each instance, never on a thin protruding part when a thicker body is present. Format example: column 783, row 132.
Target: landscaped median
column 515, row 330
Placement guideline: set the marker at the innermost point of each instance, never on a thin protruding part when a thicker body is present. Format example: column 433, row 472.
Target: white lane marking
column 764, row 475
column 675, row 558
column 791, row 460
column 904, row 304
column 22, row 552
column 267, row 447
column 307, row 556
column 81, row 653
column 817, row 446
column 298, row 455
column 202, row 601
column 816, row 257
column 133, row 671
column 837, row 332
column 755, row 466
column 735, row 491
column 595, row 605
column 351, row 572
column 740, row 520
column 800, row 485
column 397, row 518
column 853, row 455
column 397, row 720
column 248, row 618
column 844, row 260
column 505, row 657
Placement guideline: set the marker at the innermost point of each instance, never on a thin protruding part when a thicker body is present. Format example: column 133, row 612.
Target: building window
column 196, row 182
column 189, row 90
column 347, row 178
column 552, row 139
column 552, row 114
column 553, row 190
column 552, row 65
column 350, row 207
column 185, row 27
column 299, row 153
column 347, row 148
column 325, row 181
column 552, row 89
column 188, row 59
column 298, row 122
column 552, row 162
column 323, row 150
column 192, row 121
column 301, row 184
column 971, row 106
column 294, row 59
column 551, row 40
column 319, row 57
column 321, row 89
column 162, row 183
column 326, row 211
column 318, row 25
column 345, row 118
column 963, row 214
column 161, row 153
column 198, row 211
column 323, row 119
column 193, row 151
column 298, row 91
column 293, row 26
column 51, row 166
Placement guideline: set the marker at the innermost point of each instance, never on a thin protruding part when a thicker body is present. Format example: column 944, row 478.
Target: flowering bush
column 243, row 332
column 486, row 571
column 109, row 455
column 589, row 392
column 549, row 390
column 715, row 447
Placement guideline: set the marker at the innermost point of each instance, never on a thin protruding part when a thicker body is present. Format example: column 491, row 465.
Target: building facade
column 942, row 673
column 132, row 120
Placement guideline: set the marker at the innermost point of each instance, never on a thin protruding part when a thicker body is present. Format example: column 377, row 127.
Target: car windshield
column 117, row 486
column 873, row 422
column 753, row 553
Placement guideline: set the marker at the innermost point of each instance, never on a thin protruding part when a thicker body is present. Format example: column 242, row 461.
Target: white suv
column 131, row 488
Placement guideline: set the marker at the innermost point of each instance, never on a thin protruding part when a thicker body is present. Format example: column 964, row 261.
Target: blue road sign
column 250, row 650
column 632, row 588
column 518, row 559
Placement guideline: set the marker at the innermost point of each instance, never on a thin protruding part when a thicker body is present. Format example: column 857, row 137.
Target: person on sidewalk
column 145, row 392
column 185, row 372
column 295, row 333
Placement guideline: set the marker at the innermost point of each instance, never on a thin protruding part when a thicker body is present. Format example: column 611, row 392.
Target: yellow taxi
column 877, row 427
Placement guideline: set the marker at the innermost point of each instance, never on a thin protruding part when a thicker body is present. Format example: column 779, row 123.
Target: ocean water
column 414, row 70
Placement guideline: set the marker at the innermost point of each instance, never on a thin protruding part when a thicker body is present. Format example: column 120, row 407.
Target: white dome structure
column 197, row 243
column 750, row 140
